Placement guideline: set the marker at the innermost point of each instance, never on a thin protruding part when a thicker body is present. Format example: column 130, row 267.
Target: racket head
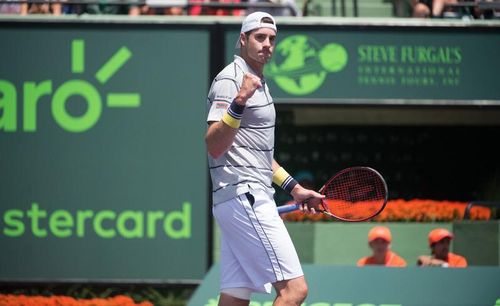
column 355, row 194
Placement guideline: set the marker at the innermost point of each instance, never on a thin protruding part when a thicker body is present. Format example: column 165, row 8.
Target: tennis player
column 256, row 250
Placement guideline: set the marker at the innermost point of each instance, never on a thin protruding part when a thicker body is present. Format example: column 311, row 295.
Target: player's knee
column 296, row 297
column 302, row 291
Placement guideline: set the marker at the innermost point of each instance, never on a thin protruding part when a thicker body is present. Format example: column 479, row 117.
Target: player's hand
column 310, row 199
column 249, row 85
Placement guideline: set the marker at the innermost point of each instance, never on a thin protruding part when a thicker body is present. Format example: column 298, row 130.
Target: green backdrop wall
column 339, row 243
column 102, row 158
column 102, row 161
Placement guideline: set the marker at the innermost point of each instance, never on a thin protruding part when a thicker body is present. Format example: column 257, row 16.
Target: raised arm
column 220, row 134
column 219, row 138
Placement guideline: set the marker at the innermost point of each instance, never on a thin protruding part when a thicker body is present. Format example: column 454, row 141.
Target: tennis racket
column 353, row 194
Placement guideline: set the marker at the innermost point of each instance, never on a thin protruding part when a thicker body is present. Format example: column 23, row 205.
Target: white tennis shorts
column 256, row 249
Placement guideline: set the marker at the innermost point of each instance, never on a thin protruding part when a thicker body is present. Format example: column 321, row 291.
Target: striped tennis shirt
column 248, row 163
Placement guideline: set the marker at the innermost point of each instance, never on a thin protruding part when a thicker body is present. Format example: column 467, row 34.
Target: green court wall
column 344, row 243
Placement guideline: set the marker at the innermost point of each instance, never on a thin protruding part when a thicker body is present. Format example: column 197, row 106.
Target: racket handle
column 288, row 208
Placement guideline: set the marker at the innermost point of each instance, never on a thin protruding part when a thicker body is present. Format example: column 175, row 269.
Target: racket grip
column 288, row 208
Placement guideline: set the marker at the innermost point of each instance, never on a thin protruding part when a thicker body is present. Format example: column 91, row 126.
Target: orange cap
column 438, row 234
column 379, row 232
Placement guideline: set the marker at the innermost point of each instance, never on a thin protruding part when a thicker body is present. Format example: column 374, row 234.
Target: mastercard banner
column 102, row 158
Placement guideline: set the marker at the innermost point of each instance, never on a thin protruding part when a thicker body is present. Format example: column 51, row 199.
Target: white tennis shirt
column 248, row 163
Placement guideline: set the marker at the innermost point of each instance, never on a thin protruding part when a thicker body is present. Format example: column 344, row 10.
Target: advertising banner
column 368, row 64
column 102, row 158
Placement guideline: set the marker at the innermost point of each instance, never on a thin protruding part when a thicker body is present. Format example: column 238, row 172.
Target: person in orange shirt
column 379, row 240
column 439, row 242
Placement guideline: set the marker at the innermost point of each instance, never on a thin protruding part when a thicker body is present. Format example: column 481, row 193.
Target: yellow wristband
column 283, row 179
column 279, row 176
column 231, row 121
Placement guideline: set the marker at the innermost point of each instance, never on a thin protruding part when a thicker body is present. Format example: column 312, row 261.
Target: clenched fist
column 250, row 84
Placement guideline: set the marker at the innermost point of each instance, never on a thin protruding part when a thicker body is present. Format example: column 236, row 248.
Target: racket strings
column 355, row 195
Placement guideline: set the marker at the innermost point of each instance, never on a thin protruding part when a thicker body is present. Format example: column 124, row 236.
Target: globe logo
column 300, row 65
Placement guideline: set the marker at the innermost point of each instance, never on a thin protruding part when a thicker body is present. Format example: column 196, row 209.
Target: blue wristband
column 289, row 183
column 235, row 110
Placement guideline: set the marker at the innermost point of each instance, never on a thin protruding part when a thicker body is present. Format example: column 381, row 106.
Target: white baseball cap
column 254, row 21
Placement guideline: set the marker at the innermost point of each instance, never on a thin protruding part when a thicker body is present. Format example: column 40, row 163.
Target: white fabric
column 241, row 293
column 256, row 249
column 253, row 21
column 248, row 162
